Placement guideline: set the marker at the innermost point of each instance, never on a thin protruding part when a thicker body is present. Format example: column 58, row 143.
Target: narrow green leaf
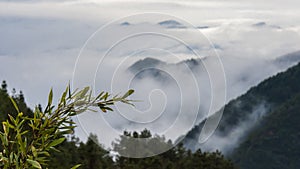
column 24, row 132
column 20, row 123
column 81, row 111
column 54, row 149
column 70, row 94
column 43, row 153
column 84, row 91
column 50, row 97
column 15, row 104
column 128, row 93
column 76, row 166
column 108, row 108
column 8, row 125
column 105, row 96
column 12, row 119
column 34, row 163
column 34, row 152
column 11, row 156
column 104, row 110
column 63, row 97
column 56, row 142
column 99, row 96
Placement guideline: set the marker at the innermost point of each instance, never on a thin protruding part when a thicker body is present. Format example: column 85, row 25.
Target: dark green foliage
column 271, row 93
column 91, row 155
column 6, row 106
column 141, row 144
column 275, row 142
column 66, row 157
column 4, row 86
column 175, row 158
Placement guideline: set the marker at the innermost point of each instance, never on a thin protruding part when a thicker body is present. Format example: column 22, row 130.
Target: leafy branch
column 27, row 141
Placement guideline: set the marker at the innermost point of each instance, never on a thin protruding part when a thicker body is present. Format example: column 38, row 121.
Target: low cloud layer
column 40, row 43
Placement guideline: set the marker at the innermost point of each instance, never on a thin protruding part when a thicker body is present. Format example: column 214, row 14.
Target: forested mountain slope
column 246, row 111
column 274, row 143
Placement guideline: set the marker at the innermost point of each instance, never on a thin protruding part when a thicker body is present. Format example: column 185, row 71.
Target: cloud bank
column 40, row 42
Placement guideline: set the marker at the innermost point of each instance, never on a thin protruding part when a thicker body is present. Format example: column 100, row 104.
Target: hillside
column 275, row 142
column 243, row 113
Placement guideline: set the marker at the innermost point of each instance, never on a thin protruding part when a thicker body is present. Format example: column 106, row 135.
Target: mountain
column 171, row 24
column 203, row 27
column 242, row 114
column 158, row 70
column 148, row 63
column 191, row 63
column 150, row 68
column 281, row 62
column 145, row 64
column 264, row 24
column 288, row 59
column 275, row 142
column 260, row 24
column 125, row 24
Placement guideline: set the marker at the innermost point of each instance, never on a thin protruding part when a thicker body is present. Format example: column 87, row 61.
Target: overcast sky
column 40, row 41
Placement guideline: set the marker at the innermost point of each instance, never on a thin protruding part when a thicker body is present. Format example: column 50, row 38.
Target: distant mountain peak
column 171, row 24
column 125, row 24
column 191, row 61
column 259, row 24
column 168, row 22
column 203, row 27
column 145, row 63
column 264, row 24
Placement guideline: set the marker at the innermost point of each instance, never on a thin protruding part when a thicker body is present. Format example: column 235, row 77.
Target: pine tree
column 4, row 86
column 21, row 96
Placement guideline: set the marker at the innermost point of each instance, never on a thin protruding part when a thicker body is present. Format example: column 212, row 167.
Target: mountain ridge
column 275, row 139
column 268, row 92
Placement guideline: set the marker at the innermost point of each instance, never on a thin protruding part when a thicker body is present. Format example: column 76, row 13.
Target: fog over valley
column 185, row 60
